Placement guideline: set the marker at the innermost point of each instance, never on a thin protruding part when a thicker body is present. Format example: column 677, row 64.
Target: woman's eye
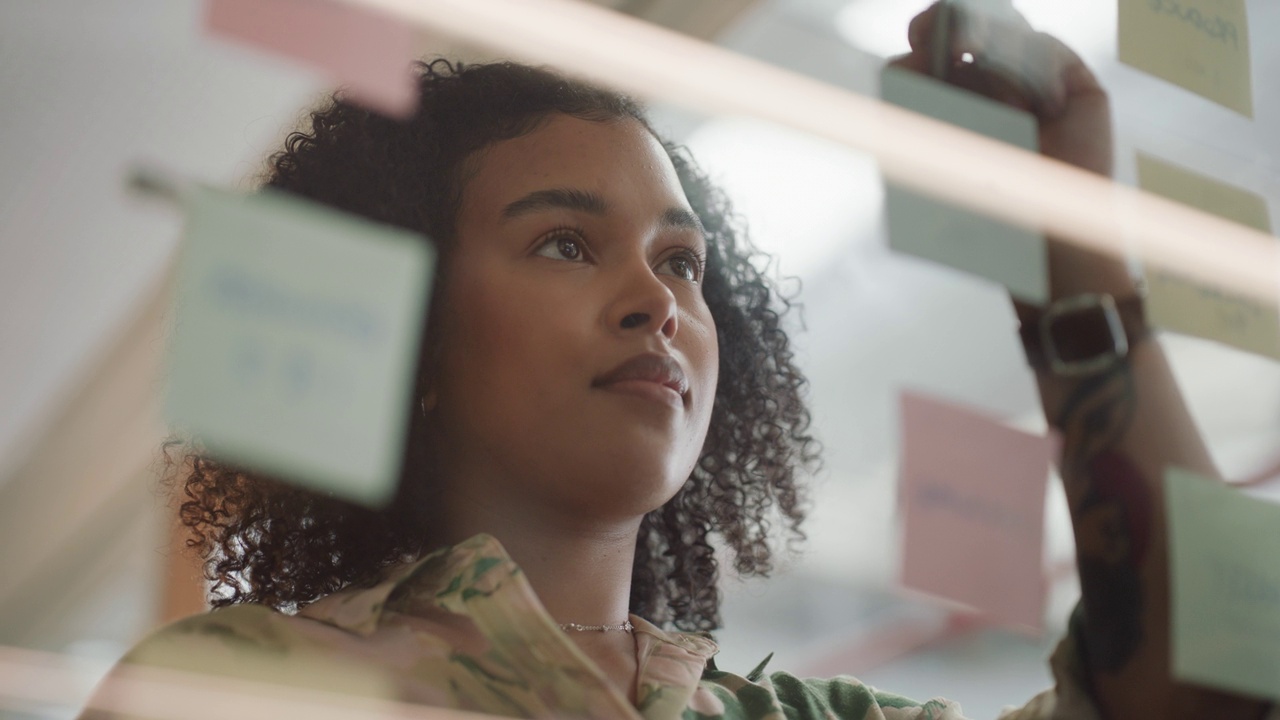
column 561, row 247
column 685, row 267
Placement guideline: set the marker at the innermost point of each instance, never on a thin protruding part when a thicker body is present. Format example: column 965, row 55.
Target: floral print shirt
column 462, row 628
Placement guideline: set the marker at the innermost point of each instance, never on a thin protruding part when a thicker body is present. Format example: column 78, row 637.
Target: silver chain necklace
column 576, row 627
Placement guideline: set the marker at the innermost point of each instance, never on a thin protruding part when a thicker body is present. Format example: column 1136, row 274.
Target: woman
column 605, row 384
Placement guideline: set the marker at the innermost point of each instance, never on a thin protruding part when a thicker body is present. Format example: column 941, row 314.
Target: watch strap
column 1082, row 334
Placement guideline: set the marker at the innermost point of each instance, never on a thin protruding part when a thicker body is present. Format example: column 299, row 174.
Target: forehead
column 620, row 160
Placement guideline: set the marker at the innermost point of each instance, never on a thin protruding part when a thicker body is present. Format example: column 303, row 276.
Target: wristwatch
column 1083, row 334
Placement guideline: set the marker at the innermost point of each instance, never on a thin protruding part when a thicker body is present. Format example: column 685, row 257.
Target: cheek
column 506, row 345
column 703, row 351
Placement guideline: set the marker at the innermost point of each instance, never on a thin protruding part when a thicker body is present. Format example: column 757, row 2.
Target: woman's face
column 579, row 359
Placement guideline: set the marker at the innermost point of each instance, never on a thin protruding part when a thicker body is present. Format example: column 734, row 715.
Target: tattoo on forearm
column 1093, row 418
column 1111, row 505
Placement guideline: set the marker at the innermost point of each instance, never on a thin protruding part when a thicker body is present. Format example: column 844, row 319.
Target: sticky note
column 972, row 495
column 1182, row 305
column 937, row 231
column 368, row 51
column 1225, row 580
column 1201, row 45
column 296, row 339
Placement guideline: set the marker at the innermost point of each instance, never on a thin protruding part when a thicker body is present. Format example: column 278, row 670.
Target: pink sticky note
column 369, row 52
column 972, row 497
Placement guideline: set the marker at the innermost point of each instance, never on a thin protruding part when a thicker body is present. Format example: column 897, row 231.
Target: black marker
column 1000, row 62
column 940, row 43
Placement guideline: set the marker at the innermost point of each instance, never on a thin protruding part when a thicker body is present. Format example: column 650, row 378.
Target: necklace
column 625, row 626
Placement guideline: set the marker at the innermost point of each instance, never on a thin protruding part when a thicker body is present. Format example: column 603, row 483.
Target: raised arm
column 1122, row 426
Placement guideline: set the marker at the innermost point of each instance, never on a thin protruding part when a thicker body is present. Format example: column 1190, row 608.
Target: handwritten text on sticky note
column 1182, row 305
column 368, row 51
column 943, row 233
column 972, row 497
column 296, row 340
column 1202, row 45
column 1225, row 578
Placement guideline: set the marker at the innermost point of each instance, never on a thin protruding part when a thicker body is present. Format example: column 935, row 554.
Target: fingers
column 920, row 31
column 1013, row 64
column 1009, row 61
column 993, row 84
column 915, row 62
column 938, row 30
column 966, row 30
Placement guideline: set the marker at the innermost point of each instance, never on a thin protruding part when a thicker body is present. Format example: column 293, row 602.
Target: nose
column 644, row 304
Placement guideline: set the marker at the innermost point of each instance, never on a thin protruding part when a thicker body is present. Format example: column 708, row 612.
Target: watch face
column 1082, row 334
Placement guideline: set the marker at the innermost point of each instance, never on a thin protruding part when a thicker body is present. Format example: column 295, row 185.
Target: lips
column 648, row 367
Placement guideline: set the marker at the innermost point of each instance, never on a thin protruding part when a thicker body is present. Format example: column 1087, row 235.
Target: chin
column 629, row 483
column 607, row 466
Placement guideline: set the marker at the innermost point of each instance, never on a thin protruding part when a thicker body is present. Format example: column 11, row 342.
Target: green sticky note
column 1201, row 45
column 1182, row 305
column 296, row 340
column 937, row 231
column 1225, row 583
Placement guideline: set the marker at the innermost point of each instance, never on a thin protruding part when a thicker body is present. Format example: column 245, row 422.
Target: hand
column 1032, row 71
column 1029, row 70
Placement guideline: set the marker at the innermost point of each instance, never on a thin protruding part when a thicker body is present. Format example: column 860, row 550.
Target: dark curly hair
column 269, row 542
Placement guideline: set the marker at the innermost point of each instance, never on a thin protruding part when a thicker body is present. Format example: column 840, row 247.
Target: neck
column 583, row 579
column 579, row 568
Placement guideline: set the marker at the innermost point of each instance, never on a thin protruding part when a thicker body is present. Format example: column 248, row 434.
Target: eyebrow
column 556, row 198
column 591, row 203
column 683, row 219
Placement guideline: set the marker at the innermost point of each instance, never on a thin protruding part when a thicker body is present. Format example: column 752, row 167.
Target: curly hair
column 269, row 542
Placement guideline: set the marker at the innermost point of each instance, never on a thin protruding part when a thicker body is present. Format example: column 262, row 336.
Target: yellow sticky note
column 1202, row 45
column 1181, row 305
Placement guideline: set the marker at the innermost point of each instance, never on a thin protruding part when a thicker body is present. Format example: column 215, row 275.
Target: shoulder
column 231, row 631
column 842, row 698
column 852, row 698
column 243, row 647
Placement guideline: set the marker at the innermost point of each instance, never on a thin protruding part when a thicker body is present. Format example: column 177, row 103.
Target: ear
column 429, row 402
column 429, row 398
